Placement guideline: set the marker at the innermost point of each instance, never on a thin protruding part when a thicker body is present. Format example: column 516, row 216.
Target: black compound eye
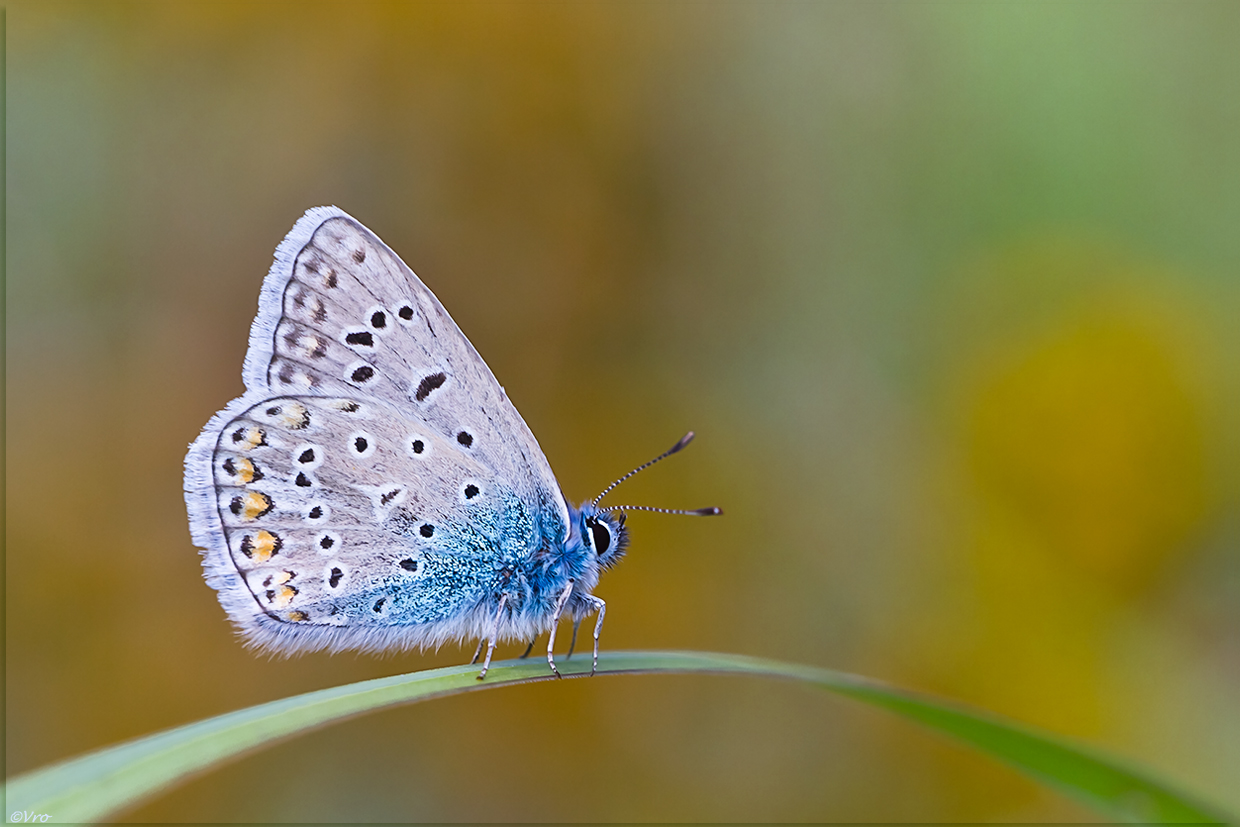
column 601, row 534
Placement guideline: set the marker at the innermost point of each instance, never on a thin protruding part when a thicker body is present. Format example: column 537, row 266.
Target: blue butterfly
column 374, row 488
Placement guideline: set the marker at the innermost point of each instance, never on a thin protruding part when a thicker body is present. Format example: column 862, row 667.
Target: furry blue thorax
column 596, row 541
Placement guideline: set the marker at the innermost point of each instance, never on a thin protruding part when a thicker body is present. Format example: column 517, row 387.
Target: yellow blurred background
column 949, row 292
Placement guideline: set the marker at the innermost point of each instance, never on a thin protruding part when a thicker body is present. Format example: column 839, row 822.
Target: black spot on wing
column 428, row 384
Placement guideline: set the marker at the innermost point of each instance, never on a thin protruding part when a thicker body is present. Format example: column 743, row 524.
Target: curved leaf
column 99, row 784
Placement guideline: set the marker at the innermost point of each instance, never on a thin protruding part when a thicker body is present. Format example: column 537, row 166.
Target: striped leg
column 596, row 605
column 499, row 611
column 555, row 620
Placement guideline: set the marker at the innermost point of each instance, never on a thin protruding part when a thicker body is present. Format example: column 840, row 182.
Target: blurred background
column 949, row 292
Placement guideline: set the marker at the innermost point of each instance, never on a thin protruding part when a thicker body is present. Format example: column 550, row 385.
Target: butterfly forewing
column 355, row 320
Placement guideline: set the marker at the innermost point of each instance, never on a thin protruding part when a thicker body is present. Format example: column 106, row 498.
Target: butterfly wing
column 374, row 483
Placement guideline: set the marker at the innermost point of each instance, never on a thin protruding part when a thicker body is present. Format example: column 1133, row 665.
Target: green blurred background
column 948, row 291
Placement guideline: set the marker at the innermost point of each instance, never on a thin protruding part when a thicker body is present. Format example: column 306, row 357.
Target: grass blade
column 97, row 785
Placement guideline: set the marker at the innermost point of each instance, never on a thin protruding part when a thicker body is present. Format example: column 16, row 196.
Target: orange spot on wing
column 255, row 505
column 283, row 596
column 263, row 545
column 245, row 469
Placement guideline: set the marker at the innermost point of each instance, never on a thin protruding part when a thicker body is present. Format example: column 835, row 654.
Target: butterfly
column 374, row 488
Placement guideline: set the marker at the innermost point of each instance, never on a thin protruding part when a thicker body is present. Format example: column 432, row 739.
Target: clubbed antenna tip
column 684, row 440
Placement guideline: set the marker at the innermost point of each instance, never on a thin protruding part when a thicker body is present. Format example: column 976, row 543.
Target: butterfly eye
column 601, row 534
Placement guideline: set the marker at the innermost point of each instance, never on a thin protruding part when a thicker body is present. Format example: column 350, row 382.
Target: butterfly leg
column 477, row 652
column 499, row 611
column 572, row 644
column 601, row 607
column 528, row 649
column 555, row 620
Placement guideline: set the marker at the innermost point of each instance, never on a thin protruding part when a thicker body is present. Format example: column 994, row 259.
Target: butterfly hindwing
column 333, row 522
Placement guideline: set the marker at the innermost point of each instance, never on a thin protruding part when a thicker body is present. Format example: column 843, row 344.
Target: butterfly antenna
column 693, row 512
column 684, row 440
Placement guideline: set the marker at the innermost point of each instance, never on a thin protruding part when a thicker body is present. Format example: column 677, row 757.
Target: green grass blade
column 99, row 784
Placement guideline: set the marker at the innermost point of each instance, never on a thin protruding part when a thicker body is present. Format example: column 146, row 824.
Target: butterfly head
column 604, row 533
column 602, row 528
